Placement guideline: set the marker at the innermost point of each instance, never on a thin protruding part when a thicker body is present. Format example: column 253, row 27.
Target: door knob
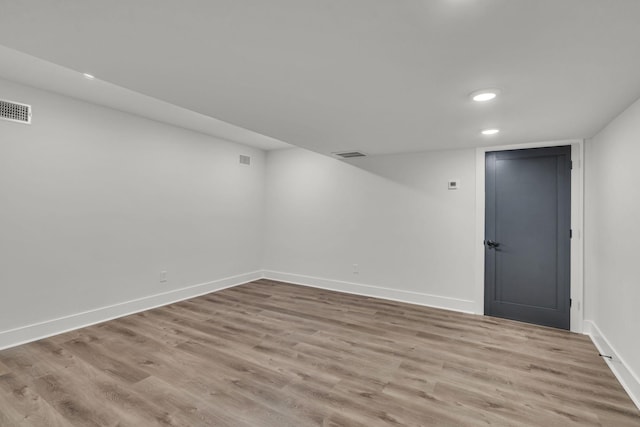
column 492, row 244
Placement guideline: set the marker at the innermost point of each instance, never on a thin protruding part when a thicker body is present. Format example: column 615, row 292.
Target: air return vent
column 15, row 112
column 349, row 154
column 245, row 160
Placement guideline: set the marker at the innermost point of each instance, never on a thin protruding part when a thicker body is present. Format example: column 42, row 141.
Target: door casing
column 577, row 215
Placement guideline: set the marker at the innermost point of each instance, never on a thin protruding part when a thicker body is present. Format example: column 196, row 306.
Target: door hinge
column 570, row 302
column 570, row 234
column 571, row 164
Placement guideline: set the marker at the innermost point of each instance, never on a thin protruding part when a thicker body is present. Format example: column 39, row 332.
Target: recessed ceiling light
column 484, row 95
column 88, row 76
column 490, row 131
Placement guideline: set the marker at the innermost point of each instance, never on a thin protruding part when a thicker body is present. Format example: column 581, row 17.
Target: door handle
column 492, row 244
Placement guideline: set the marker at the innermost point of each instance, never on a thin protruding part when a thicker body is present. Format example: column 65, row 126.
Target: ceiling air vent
column 349, row 154
column 15, row 112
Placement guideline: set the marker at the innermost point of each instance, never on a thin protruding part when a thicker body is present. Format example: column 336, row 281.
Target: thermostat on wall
column 453, row 184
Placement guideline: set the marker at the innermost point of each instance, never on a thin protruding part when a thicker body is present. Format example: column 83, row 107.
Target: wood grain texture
column 274, row 354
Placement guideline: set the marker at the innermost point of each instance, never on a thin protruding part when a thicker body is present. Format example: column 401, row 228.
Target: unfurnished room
column 335, row 213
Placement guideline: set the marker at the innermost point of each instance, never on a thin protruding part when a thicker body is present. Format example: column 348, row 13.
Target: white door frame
column 577, row 218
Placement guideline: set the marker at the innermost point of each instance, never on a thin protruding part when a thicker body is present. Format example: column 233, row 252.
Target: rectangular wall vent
column 349, row 154
column 245, row 160
column 15, row 112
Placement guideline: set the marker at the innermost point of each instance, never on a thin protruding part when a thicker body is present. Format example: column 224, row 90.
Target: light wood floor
column 273, row 354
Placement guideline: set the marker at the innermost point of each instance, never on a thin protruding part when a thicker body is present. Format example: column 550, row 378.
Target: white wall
column 393, row 216
column 94, row 203
column 612, row 236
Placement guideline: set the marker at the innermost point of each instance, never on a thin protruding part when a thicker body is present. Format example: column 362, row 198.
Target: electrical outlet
column 356, row 270
column 163, row 277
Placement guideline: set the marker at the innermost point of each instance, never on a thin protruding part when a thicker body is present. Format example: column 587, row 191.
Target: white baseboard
column 411, row 297
column 625, row 375
column 36, row 331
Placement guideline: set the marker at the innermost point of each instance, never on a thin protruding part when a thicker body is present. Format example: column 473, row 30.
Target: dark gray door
column 527, row 232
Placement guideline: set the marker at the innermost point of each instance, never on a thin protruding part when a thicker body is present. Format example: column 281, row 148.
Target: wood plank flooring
column 274, row 354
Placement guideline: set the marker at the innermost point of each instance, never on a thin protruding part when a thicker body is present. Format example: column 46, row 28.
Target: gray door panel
column 528, row 214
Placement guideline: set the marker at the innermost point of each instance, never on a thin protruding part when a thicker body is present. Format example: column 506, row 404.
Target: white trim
column 625, row 375
column 36, row 331
column 455, row 304
column 577, row 216
column 577, row 240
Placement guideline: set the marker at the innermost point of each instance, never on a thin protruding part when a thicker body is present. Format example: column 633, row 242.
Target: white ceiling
column 381, row 76
column 29, row 70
